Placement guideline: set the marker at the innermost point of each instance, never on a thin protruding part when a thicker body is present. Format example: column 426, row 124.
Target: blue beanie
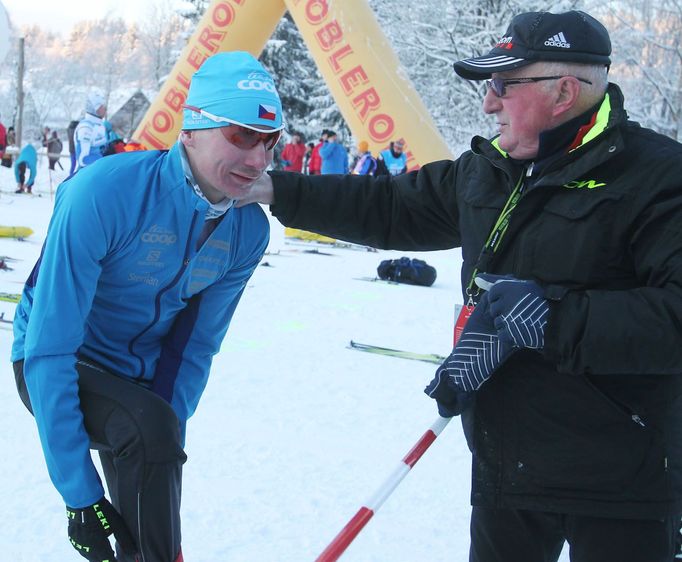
column 233, row 85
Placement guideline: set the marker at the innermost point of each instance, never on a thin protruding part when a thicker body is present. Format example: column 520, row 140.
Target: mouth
column 245, row 179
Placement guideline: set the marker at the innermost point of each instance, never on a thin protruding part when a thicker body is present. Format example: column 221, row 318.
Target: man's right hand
column 90, row 527
column 478, row 354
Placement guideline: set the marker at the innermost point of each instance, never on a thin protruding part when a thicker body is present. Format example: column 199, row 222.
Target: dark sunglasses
column 499, row 85
column 239, row 135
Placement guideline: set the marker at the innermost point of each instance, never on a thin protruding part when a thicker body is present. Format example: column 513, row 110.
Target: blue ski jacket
column 394, row 164
column 28, row 156
column 334, row 158
column 122, row 281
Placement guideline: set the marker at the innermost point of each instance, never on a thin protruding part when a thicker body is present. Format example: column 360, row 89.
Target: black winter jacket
column 593, row 424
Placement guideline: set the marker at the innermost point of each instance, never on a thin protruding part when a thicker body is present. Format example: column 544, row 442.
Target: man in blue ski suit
column 149, row 257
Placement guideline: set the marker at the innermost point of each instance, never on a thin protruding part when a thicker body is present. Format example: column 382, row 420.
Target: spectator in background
column 366, row 164
column 90, row 135
column 11, row 141
column 3, row 140
column 306, row 157
column 27, row 160
column 393, row 160
column 70, row 130
column 334, row 156
column 292, row 155
column 45, row 137
column 315, row 163
column 54, row 150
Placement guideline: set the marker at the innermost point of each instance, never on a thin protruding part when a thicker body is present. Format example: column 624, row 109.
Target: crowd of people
column 89, row 139
column 329, row 156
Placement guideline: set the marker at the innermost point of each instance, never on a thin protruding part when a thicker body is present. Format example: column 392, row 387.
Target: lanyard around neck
column 497, row 233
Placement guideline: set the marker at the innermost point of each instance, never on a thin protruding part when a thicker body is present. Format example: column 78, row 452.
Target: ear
column 187, row 138
column 567, row 95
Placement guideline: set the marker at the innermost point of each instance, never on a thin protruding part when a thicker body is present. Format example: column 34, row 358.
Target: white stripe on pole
column 341, row 542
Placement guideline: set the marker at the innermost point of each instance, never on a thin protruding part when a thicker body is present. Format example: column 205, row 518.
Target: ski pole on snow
column 341, row 542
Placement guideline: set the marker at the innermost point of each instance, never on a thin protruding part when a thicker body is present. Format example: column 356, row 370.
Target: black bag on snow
column 407, row 270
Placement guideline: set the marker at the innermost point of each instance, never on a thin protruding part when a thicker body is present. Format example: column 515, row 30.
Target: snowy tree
column 429, row 36
column 161, row 37
column 647, row 59
column 193, row 9
column 308, row 105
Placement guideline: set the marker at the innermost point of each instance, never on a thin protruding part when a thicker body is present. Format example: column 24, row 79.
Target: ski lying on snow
column 10, row 297
column 426, row 357
column 377, row 280
column 329, row 245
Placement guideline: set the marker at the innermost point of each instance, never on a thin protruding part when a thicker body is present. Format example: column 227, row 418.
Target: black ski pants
column 509, row 535
column 137, row 436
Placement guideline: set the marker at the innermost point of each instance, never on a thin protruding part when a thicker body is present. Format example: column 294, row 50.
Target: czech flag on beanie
column 267, row 112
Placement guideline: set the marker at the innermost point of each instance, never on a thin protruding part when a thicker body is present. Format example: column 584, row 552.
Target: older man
column 569, row 371
column 144, row 263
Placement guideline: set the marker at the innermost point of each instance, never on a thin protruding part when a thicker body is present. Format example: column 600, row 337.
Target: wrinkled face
column 522, row 113
column 222, row 169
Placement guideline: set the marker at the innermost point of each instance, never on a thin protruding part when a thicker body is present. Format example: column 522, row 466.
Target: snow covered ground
column 295, row 432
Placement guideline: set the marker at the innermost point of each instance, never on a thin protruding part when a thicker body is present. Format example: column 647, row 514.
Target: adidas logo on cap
column 558, row 40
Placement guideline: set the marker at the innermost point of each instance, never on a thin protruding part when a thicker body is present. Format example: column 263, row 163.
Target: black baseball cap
column 542, row 36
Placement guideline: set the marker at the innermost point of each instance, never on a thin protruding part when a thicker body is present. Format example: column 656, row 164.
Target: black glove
column 90, row 527
column 477, row 355
column 518, row 307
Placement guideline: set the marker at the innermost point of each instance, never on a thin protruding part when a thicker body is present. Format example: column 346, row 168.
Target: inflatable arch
column 372, row 90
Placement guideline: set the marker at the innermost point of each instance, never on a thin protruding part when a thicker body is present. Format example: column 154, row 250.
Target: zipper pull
column 638, row 420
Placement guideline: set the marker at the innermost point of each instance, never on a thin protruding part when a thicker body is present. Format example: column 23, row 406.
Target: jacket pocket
column 582, row 441
column 575, row 236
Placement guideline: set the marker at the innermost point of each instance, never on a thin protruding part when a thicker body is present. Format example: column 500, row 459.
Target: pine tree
column 308, row 104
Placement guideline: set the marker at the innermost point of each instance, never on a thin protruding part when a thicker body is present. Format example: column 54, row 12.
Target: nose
column 258, row 157
column 491, row 103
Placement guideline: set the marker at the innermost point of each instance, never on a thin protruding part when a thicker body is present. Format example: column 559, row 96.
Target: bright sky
column 60, row 16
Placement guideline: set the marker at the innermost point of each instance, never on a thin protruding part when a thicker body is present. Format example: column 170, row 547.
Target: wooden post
column 20, row 92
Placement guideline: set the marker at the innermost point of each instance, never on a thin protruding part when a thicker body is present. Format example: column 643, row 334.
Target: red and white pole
column 341, row 542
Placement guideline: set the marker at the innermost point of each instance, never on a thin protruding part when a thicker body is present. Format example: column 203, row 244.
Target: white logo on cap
column 558, row 40
column 256, row 85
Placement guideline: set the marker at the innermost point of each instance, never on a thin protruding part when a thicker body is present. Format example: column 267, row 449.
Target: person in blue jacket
column 149, row 256
column 392, row 161
column 334, row 156
column 27, row 160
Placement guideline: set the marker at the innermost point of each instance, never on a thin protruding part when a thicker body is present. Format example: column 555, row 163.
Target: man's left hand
column 518, row 307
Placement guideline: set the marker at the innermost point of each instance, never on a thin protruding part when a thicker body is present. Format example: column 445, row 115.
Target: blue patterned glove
column 477, row 355
column 518, row 307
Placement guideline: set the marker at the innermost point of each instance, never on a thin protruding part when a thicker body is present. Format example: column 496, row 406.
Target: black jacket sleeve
column 415, row 211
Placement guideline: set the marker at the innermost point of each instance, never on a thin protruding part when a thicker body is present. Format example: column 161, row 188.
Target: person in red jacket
column 315, row 163
column 292, row 154
column 3, row 140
